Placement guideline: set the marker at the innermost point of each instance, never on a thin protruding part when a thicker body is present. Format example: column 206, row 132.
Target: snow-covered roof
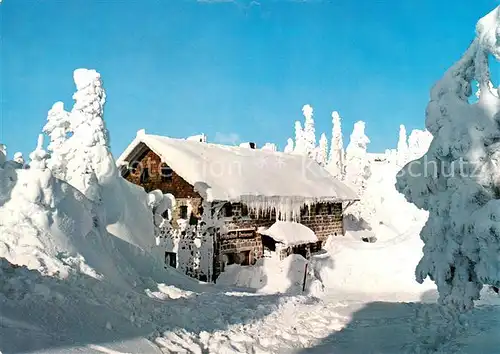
column 289, row 233
column 230, row 173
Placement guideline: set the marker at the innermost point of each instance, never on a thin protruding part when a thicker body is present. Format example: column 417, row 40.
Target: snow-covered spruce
column 57, row 128
column 322, row 154
column 336, row 159
column 357, row 163
column 309, row 133
column 87, row 150
column 457, row 179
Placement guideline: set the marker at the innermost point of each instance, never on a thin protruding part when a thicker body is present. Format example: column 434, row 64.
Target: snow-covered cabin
column 259, row 196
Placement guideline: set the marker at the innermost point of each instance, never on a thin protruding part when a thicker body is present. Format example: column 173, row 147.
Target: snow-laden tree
column 19, row 158
column 402, row 148
column 89, row 160
column 418, row 143
column 39, row 156
column 300, row 146
column 322, row 154
column 457, row 180
column 357, row 162
column 57, row 128
column 493, row 90
column 309, row 133
column 289, row 146
column 336, row 159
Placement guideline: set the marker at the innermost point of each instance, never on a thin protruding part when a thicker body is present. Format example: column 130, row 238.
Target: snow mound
column 290, row 233
column 384, row 267
column 273, row 276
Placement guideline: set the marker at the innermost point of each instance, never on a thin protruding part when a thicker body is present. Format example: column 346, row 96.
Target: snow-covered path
column 332, row 326
column 45, row 315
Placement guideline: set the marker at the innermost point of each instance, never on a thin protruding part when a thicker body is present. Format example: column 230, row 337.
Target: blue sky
column 242, row 68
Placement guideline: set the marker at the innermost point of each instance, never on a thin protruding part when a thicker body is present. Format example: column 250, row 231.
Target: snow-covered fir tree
column 322, row 155
column 336, row 159
column 309, row 133
column 57, row 128
column 357, row 163
column 457, row 179
column 402, row 148
column 300, row 147
column 289, row 146
column 89, row 160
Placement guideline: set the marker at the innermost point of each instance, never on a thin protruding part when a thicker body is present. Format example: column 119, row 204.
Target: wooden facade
column 241, row 242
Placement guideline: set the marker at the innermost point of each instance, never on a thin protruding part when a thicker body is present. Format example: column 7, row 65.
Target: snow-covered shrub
column 270, row 147
column 457, row 179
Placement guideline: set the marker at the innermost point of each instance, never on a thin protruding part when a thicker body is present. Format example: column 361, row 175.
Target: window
column 171, row 259
column 200, row 210
column 228, row 210
column 330, row 208
column 144, row 175
column 166, row 173
column 133, row 167
column 183, row 212
column 318, row 209
column 244, row 210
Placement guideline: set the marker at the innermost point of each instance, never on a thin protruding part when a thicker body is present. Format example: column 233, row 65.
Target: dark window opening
column 171, row 259
column 166, row 173
column 303, row 211
column 241, row 258
column 318, row 209
column 183, row 212
column 330, row 209
column 228, row 210
column 132, row 168
column 268, row 243
column 244, row 210
column 144, row 175
column 193, row 220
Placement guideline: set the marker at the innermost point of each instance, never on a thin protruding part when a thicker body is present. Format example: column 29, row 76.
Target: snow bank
column 273, row 276
column 290, row 233
column 352, row 266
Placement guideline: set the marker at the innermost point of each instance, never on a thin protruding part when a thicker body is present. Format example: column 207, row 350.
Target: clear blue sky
column 181, row 67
